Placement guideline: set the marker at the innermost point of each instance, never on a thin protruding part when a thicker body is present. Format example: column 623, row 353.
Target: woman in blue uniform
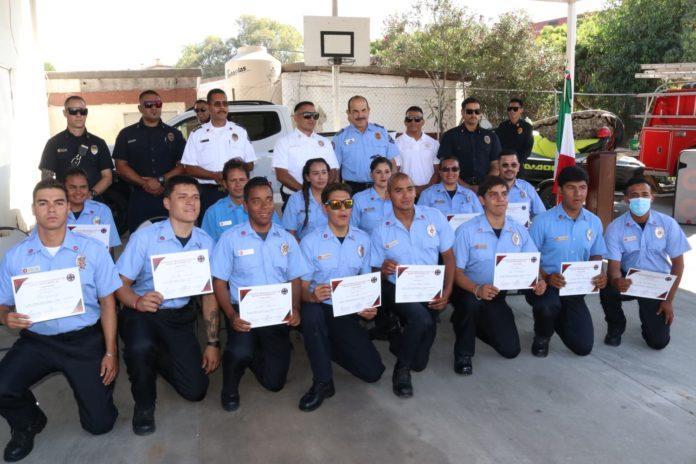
column 372, row 205
column 304, row 212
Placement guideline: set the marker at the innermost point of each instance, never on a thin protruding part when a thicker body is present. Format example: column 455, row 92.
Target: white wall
column 23, row 111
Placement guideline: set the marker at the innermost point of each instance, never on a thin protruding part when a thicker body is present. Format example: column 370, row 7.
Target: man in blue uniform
column 476, row 148
column 257, row 252
column 335, row 251
column 647, row 240
column 449, row 196
column 159, row 335
column 229, row 211
column 86, row 211
column 566, row 233
column 412, row 235
column 480, row 309
column 520, row 191
column 147, row 153
column 357, row 144
column 82, row 347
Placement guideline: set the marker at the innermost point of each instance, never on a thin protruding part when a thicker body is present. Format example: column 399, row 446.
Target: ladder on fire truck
column 672, row 74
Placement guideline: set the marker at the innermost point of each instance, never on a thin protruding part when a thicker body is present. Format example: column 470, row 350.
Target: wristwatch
column 216, row 343
column 161, row 180
column 93, row 193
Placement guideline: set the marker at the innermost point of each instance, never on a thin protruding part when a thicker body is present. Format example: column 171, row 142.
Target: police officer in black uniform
column 477, row 148
column 515, row 133
column 75, row 147
column 147, row 153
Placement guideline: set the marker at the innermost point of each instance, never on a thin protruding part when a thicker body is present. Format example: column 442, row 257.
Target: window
column 258, row 124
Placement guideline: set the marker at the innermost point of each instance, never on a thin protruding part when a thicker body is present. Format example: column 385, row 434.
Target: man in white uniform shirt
column 292, row 151
column 417, row 151
column 213, row 144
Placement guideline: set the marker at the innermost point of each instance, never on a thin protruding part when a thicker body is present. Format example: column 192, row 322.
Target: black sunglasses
column 452, row 169
column 200, row 110
column 513, row 108
column 152, row 104
column 335, row 205
column 470, row 111
column 76, row 111
column 310, row 115
column 414, row 119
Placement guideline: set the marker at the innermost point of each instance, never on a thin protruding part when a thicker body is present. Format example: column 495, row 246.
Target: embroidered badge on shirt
column 321, row 143
column 96, row 220
column 378, row 136
column 659, row 232
column 519, row 130
column 284, row 248
column 523, row 194
column 487, row 139
column 516, row 239
column 170, row 136
column 361, row 251
column 235, row 137
column 349, row 141
column 81, row 262
column 431, row 230
column 94, row 149
column 589, row 235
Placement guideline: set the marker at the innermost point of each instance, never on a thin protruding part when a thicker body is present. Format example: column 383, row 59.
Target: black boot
column 401, row 382
column 316, row 395
column 143, row 420
column 22, row 441
column 230, row 401
column 540, row 347
column 463, row 366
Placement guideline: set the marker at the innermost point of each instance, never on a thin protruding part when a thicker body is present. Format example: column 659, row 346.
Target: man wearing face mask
column 646, row 240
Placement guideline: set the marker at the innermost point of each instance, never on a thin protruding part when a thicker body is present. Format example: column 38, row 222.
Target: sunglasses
column 513, row 108
column 509, row 165
column 470, row 111
column 452, row 169
column 152, row 104
column 76, row 111
column 410, row 119
column 310, row 115
column 200, row 110
column 335, row 205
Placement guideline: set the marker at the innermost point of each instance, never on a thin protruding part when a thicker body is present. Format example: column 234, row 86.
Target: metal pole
column 570, row 45
column 335, row 79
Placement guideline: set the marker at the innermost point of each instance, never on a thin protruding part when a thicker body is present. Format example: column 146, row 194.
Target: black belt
column 66, row 336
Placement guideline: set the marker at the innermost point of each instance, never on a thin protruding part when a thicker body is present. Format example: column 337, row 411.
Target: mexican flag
column 565, row 145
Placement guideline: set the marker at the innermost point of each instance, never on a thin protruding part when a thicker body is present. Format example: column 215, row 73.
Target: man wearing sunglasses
column 359, row 143
column 292, row 151
column 202, row 111
column 213, row 144
column 417, row 151
column 477, row 148
column 147, row 153
column 520, row 191
column 515, row 133
column 75, row 147
column 449, row 196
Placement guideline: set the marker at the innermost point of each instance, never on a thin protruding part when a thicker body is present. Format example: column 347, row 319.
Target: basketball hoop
column 339, row 61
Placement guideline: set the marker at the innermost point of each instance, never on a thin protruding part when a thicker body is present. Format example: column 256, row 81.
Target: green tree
column 210, row 55
column 49, row 66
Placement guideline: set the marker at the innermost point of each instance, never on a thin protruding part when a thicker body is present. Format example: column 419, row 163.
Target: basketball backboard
column 330, row 37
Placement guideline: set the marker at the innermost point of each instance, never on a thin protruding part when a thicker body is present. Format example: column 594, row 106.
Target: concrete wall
column 389, row 95
column 112, row 96
column 23, row 112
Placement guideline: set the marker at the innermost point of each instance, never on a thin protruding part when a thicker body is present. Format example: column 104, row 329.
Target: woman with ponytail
column 304, row 210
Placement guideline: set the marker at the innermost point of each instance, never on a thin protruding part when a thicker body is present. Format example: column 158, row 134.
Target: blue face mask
column 639, row 206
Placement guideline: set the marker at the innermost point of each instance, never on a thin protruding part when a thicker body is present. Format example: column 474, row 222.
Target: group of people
column 361, row 204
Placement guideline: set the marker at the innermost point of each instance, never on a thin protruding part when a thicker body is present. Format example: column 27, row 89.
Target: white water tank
column 253, row 74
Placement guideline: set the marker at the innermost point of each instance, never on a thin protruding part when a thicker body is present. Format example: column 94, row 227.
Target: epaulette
column 339, row 132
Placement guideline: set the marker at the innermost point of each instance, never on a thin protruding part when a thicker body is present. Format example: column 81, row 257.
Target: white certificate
column 516, row 271
column 353, row 294
column 98, row 231
column 456, row 220
column 519, row 212
column 419, row 283
column 578, row 277
column 265, row 305
column 49, row 295
column 178, row 275
column 648, row 284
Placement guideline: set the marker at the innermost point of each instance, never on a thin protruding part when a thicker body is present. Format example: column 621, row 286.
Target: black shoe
column 462, row 365
column 143, row 420
column 612, row 339
column 230, row 403
column 540, row 347
column 22, row 441
column 401, row 382
column 316, row 395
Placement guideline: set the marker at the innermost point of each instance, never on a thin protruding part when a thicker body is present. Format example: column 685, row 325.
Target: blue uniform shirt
column 429, row 236
column 331, row 259
column 369, row 209
column 157, row 239
column 523, row 191
column 464, row 201
column 355, row 150
column 476, row 245
column 98, row 276
column 560, row 239
column 224, row 214
column 648, row 249
column 244, row 259
column 94, row 212
column 294, row 214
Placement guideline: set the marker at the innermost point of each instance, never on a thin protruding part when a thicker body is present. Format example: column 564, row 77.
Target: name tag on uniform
column 247, row 252
column 31, row 269
column 391, row 244
column 62, row 150
column 225, row 223
column 367, row 210
column 481, row 246
column 131, row 140
column 439, row 202
column 205, row 140
column 324, row 256
column 630, row 238
column 561, row 238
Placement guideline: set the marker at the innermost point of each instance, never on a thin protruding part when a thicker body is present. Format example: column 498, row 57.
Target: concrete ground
column 626, row 404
